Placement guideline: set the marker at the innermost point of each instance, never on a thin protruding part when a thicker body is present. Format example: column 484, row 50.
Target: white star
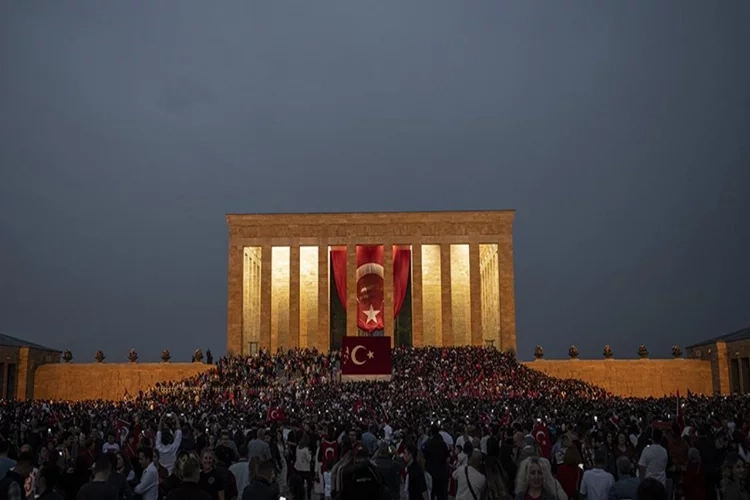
column 372, row 314
column 370, row 354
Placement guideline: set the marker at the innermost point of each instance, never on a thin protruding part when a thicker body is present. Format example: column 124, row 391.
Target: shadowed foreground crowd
column 464, row 422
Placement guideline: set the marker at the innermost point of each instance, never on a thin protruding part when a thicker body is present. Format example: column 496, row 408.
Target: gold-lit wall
column 490, row 293
column 280, row 297
column 432, row 295
column 308, row 295
column 251, row 296
column 460, row 294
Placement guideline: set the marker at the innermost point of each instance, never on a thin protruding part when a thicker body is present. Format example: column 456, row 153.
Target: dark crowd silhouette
column 468, row 423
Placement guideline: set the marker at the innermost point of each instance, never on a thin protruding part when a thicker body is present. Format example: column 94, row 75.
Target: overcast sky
column 619, row 131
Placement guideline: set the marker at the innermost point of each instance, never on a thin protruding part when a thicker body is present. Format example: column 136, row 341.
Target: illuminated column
column 351, row 289
column 265, row 297
column 22, row 374
column 475, row 286
column 294, row 309
column 388, row 304
column 323, row 342
column 446, row 298
column 6, row 372
column 417, row 325
column 234, row 302
column 507, row 299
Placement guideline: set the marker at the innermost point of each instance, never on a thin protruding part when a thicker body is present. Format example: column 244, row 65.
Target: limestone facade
column 635, row 378
column 112, row 381
column 461, row 276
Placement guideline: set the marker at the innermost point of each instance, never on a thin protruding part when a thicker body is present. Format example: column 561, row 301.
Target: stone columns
column 722, row 359
column 388, row 303
column 475, row 286
column 507, row 294
column 323, row 341
column 417, row 325
column 351, row 290
column 6, row 372
column 446, row 297
column 294, row 306
column 234, row 293
column 22, row 374
column 265, row 297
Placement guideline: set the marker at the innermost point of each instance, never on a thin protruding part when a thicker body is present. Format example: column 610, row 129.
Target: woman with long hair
column 496, row 486
column 123, row 468
column 535, row 481
column 733, row 478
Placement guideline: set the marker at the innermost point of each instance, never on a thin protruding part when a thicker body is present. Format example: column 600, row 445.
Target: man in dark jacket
column 436, row 456
column 189, row 489
column 390, row 469
column 361, row 480
column 12, row 485
column 263, row 486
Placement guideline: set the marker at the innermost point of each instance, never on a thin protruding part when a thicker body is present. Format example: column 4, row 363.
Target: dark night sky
column 619, row 131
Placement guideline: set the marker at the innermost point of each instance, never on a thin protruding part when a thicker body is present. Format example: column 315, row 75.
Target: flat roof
column 371, row 217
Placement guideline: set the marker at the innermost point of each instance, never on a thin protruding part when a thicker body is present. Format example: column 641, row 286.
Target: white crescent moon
column 331, row 451
column 354, row 355
column 540, row 439
column 274, row 414
column 370, row 268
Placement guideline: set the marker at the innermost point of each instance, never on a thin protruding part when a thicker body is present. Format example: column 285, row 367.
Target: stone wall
column 109, row 381
column 635, row 377
column 623, row 377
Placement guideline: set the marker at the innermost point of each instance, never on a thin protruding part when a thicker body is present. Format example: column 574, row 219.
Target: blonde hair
column 522, row 479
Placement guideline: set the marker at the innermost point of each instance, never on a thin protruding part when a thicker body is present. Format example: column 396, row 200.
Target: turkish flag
column 541, row 436
column 328, row 450
column 275, row 414
column 370, row 284
column 366, row 356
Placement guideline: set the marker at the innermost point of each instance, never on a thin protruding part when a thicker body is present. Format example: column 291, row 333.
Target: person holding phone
column 167, row 444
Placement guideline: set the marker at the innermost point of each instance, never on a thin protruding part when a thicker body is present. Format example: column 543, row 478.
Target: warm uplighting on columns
column 280, row 275
column 251, row 297
column 308, row 296
column 432, row 296
column 490, row 302
column 460, row 295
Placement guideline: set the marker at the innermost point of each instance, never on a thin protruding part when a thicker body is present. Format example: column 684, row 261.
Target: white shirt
column 596, row 484
column 304, row 457
column 476, row 479
column 241, row 474
column 654, row 459
column 110, row 448
column 148, row 487
column 447, row 438
column 168, row 453
column 387, row 432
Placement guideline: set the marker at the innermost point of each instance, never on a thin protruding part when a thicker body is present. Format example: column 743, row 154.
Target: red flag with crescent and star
column 370, row 284
column 275, row 414
column 329, row 450
column 541, row 436
column 366, row 356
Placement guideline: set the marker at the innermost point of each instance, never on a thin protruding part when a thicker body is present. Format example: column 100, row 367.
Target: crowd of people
column 463, row 422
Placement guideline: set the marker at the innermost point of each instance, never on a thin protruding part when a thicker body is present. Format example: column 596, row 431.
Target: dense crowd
column 464, row 422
